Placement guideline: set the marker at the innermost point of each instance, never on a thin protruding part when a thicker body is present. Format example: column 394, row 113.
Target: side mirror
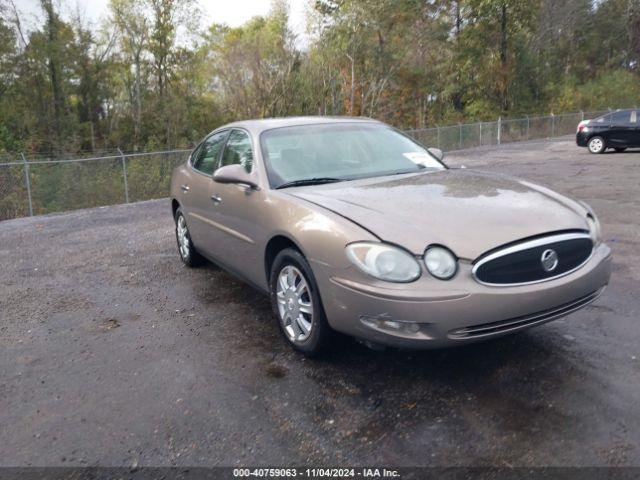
column 436, row 152
column 235, row 174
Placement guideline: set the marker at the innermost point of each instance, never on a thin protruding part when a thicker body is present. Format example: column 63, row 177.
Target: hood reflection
column 469, row 212
column 452, row 183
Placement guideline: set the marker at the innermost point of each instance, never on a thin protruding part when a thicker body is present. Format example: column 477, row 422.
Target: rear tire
column 296, row 302
column 620, row 150
column 188, row 253
column 597, row 145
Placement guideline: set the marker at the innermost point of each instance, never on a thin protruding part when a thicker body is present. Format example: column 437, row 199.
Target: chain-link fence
column 469, row 135
column 38, row 185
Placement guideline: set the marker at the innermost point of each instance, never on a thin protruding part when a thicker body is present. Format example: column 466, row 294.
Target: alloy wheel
column 596, row 145
column 295, row 304
column 183, row 237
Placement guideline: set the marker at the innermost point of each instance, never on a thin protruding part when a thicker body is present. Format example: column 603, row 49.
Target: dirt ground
column 113, row 353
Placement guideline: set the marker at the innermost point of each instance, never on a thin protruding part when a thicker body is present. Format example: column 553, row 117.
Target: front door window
column 238, row 150
column 207, row 156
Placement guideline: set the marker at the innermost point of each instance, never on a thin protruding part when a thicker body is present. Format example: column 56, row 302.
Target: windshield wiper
column 405, row 172
column 310, row 181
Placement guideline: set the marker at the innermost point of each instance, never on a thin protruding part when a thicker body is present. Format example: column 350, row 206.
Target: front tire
column 597, row 145
column 188, row 253
column 296, row 302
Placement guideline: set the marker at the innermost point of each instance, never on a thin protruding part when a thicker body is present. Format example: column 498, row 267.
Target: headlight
column 594, row 229
column 440, row 262
column 384, row 262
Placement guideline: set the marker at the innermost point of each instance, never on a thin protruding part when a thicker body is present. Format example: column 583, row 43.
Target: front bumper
column 430, row 313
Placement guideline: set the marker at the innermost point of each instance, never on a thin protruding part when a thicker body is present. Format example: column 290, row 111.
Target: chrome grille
column 533, row 260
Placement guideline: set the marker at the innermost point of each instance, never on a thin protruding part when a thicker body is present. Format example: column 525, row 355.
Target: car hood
column 467, row 211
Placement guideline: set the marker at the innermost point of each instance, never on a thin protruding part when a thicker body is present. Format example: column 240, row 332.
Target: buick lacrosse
column 350, row 225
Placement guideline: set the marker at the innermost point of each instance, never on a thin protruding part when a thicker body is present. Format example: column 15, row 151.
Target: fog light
column 391, row 324
column 411, row 327
column 385, row 323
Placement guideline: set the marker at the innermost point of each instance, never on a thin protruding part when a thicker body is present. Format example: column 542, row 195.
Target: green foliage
column 610, row 90
column 8, row 143
column 149, row 78
column 255, row 66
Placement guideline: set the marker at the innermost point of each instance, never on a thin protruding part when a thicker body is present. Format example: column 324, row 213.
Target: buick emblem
column 549, row 260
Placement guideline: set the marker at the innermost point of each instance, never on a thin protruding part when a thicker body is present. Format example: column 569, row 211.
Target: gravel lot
column 113, row 353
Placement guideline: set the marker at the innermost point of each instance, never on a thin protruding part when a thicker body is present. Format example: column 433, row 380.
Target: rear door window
column 621, row 119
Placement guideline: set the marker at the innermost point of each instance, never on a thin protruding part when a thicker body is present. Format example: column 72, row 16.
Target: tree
column 255, row 66
column 148, row 79
column 633, row 32
column 130, row 20
column 54, row 49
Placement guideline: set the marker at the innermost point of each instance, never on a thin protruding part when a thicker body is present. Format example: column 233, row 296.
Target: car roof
column 262, row 124
column 620, row 110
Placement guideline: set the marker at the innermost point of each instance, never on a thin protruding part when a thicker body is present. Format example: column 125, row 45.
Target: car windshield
column 340, row 151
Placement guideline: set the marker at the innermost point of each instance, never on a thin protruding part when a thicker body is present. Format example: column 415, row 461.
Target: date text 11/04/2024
column 316, row 472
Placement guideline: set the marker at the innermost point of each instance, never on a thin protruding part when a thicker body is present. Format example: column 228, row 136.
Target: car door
column 196, row 186
column 236, row 211
column 622, row 132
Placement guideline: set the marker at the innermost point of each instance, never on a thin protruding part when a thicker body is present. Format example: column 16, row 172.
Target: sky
column 231, row 12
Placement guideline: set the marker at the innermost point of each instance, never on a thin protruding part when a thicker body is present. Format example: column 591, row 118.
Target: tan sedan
column 349, row 225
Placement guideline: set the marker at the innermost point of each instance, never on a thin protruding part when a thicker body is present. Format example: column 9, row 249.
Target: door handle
column 185, row 188
column 216, row 199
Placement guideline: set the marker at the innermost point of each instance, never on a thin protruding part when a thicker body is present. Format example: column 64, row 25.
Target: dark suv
column 618, row 130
